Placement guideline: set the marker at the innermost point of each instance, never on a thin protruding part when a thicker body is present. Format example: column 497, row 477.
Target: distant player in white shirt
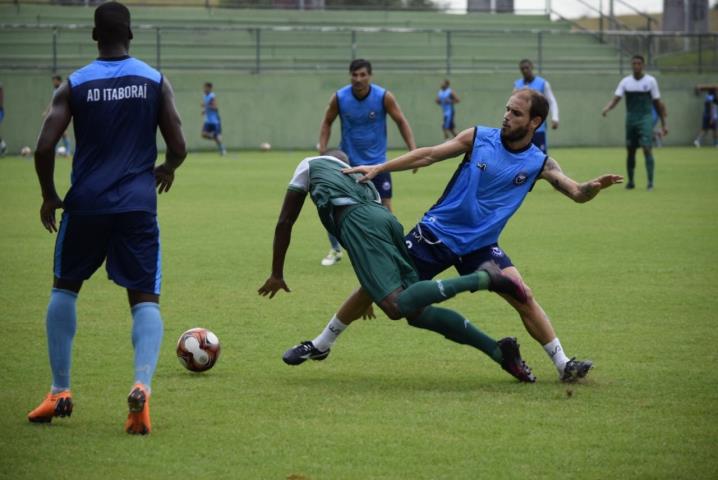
column 540, row 84
column 641, row 92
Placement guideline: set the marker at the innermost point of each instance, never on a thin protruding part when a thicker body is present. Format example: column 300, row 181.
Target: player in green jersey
column 374, row 239
column 641, row 92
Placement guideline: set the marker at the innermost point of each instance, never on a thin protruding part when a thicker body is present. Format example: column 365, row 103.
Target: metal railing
column 293, row 48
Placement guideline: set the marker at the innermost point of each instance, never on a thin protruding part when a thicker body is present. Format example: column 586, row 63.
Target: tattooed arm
column 578, row 192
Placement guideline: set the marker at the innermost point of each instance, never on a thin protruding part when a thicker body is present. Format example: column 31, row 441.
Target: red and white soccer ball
column 198, row 349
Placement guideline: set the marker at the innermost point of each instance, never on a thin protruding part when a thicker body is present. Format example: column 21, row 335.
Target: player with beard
column 462, row 229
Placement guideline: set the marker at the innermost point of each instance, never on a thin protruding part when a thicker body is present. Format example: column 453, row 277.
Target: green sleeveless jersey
column 329, row 188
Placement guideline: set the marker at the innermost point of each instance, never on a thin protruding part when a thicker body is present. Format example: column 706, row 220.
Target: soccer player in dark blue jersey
column 362, row 107
column 212, row 127
column 110, row 212
column 462, row 229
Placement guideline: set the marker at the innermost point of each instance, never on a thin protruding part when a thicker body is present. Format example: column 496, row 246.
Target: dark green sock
column 428, row 292
column 457, row 329
column 650, row 165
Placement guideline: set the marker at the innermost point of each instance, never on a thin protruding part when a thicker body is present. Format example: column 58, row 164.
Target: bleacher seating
column 199, row 38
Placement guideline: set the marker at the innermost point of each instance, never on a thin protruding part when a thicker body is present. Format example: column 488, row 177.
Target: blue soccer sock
column 147, row 332
column 61, row 324
column 334, row 242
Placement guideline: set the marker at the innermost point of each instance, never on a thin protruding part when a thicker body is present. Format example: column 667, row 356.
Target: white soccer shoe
column 332, row 257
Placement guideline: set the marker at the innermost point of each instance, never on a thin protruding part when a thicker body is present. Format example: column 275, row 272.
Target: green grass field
column 629, row 281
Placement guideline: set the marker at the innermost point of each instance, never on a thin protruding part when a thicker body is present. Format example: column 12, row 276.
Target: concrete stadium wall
column 285, row 109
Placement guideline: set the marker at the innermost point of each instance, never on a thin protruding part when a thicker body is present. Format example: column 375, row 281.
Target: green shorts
column 639, row 132
column 374, row 239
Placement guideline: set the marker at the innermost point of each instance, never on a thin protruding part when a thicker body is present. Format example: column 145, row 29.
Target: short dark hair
column 360, row 63
column 526, row 61
column 208, row 84
column 336, row 153
column 539, row 105
column 638, row 57
column 112, row 23
column 57, row 77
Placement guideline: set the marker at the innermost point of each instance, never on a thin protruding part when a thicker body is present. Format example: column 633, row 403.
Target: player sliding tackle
column 462, row 229
column 374, row 239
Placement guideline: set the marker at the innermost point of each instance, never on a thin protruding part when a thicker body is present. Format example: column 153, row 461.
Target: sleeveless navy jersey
column 115, row 108
column 363, row 125
column 486, row 190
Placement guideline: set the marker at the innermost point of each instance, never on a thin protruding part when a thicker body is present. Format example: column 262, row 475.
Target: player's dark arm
column 325, row 128
column 610, row 105
column 578, row 192
column 392, row 108
column 662, row 114
column 292, row 206
column 53, row 127
column 701, row 87
column 454, row 98
column 170, row 125
column 420, row 157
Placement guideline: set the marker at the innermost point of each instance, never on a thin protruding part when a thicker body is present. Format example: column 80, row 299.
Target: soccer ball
column 62, row 151
column 25, row 151
column 265, row 146
column 198, row 349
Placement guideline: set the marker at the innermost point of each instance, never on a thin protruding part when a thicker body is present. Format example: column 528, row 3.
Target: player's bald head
column 112, row 24
column 336, row 153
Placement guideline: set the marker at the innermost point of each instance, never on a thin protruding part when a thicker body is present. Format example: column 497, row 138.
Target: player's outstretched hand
column 591, row 188
column 164, row 176
column 272, row 286
column 367, row 171
column 47, row 213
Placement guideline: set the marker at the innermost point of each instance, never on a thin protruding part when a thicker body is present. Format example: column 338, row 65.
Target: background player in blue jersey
column 110, row 212
column 3, row 145
column 462, row 229
column 709, row 117
column 362, row 107
column 212, row 127
column 446, row 98
column 541, row 85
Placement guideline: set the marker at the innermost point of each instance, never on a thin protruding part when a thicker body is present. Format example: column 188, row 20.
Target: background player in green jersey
column 641, row 92
column 374, row 240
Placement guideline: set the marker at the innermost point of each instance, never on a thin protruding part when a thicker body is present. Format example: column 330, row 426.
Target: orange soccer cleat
column 138, row 420
column 54, row 405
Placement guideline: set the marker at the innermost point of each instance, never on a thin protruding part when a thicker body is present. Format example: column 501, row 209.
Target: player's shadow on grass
column 362, row 383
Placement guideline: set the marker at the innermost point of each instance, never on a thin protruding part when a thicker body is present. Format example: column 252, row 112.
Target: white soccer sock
column 556, row 353
column 329, row 335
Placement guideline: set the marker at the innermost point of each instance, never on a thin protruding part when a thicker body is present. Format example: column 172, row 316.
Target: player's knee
column 391, row 309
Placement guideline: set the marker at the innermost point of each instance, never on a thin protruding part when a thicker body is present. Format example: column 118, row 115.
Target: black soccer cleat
column 501, row 283
column 575, row 370
column 512, row 361
column 298, row 354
